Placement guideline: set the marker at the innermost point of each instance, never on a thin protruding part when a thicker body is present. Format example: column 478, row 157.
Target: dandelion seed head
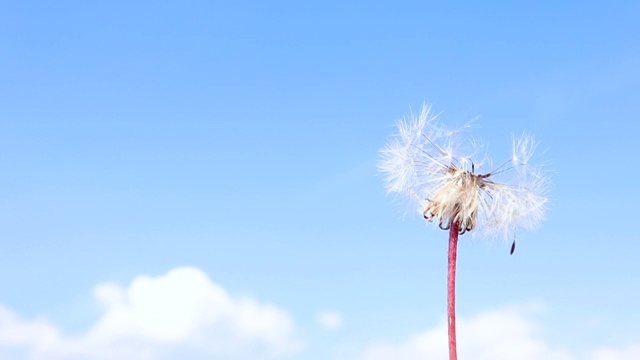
column 440, row 171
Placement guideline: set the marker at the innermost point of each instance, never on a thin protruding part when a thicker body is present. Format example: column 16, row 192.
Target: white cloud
column 169, row 316
column 330, row 320
column 15, row 332
column 507, row 334
column 632, row 352
column 184, row 315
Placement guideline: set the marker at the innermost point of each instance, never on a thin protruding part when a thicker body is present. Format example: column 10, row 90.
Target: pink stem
column 451, row 289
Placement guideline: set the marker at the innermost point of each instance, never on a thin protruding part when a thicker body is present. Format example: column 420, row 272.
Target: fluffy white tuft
column 437, row 169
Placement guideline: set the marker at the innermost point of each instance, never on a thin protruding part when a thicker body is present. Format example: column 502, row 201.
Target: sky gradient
column 220, row 157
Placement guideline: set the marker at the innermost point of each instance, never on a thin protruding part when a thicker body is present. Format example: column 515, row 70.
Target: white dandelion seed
column 435, row 169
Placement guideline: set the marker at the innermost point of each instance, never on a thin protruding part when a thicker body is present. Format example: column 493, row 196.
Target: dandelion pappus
column 435, row 168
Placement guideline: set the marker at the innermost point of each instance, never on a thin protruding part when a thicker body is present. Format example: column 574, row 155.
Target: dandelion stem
column 451, row 289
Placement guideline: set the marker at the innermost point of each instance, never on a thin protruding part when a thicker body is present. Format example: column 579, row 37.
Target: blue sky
column 236, row 142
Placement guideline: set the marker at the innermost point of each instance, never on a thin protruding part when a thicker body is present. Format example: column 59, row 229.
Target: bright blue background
column 241, row 137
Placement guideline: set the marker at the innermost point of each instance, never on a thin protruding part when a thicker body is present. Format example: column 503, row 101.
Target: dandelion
column 440, row 172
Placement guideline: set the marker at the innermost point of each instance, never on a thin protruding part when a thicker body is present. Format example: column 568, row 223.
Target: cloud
column 330, row 320
column 632, row 352
column 184, row 315
column 507, row 334
column 181, row 314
